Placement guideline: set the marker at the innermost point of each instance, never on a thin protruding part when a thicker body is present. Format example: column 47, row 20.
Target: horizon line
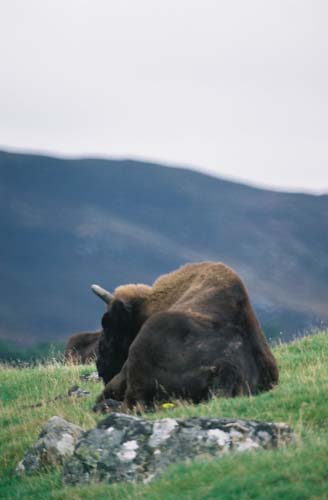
column 160, row 162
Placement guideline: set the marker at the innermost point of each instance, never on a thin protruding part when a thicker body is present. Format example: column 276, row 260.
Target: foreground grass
column 297, row 472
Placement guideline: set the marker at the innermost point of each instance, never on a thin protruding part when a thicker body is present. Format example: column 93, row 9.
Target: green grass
column 299, row 471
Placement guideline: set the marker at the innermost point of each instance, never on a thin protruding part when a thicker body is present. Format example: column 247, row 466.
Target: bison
column 190, row 335
column 82, row 348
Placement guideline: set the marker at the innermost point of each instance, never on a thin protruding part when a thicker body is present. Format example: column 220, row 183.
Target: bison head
column 119, row 330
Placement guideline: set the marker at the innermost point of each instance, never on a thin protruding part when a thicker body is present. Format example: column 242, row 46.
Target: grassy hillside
column 298, row 472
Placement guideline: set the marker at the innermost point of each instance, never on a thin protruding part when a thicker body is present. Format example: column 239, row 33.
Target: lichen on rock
column 55, row 443
column 127, row 448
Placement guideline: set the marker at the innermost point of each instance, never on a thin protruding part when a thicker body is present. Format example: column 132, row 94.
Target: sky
column 236, row 88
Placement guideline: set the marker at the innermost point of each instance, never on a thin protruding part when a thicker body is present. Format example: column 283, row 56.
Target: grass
column 297, row 472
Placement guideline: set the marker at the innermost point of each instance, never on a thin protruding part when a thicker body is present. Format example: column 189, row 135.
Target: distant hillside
column 68, row 223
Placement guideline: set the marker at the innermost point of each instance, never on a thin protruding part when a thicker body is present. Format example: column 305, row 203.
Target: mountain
column 68, row 223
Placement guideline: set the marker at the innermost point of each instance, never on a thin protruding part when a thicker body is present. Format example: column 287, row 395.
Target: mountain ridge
column 157, row 163
column 122, row 220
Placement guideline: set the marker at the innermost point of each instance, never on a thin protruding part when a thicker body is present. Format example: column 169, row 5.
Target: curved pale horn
column 102, row 293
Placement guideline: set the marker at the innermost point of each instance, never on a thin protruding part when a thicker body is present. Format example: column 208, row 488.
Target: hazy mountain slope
column 68, row 223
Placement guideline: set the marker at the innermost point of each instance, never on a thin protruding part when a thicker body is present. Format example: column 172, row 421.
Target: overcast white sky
column 237, row 88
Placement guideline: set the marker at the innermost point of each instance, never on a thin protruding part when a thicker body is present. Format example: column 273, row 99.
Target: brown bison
column 190, row 335
column 82, row 348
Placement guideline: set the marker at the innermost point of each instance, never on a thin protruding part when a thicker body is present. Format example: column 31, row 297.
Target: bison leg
column 116, row 387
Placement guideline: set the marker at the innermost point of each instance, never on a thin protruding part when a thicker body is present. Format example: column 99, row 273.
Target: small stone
column 107, row 406
column 90, row 377
column 78, row 392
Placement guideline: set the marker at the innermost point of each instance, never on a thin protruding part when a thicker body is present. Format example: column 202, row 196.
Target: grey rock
column 77, row 391
column 108, row 406
column 127, row 448
column 90, row 377
column 55, row 443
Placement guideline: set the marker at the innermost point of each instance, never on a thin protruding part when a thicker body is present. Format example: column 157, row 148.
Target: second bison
column 82, row 348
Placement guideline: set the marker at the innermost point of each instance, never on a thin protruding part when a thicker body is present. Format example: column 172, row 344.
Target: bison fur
column 82, row 348
column 190, row 335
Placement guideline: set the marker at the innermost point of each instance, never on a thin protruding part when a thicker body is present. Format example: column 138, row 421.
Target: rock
column 90, row 377
column 108, row 406
column 127, row 448
column 77, row 391
column 55, row 443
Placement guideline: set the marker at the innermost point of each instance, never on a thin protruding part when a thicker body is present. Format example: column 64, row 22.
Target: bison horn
column 102, row 293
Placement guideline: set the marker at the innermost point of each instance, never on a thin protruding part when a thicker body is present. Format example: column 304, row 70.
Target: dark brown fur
column 192, row 334
column 82, row 348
